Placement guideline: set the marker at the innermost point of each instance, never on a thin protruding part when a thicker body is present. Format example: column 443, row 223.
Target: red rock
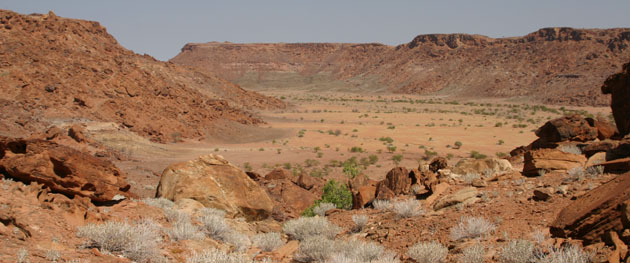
column 398, row 180
column 308, row 182
column 363, row 197
column 618, row 85
column 601, row 146
column 437, row 164
column 616, row 166
column 550, row 160
column 383, row 192
column 595, row 213
column 568, row 128
column 278, row 174
column 62, row 169
column 77, row 132
column 605, row 130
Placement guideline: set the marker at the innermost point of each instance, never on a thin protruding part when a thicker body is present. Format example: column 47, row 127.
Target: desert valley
column 449, row 148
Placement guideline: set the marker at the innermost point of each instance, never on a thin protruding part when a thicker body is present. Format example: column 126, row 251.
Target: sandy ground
column 326, row 127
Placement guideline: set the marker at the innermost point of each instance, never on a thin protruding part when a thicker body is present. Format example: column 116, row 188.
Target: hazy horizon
column 161, row 28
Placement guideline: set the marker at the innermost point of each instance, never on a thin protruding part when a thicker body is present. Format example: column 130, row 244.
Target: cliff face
column 551, row 65
column 55, row 69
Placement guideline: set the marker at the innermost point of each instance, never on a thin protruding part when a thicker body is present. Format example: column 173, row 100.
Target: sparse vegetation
column 428, row 252
column 267, row 241
column 137, row 242
column 359, row 221
column 305, row 227
column 473, row 254
column 334, row 193
column 472, row 227
column 517, row 251
column 407, row 208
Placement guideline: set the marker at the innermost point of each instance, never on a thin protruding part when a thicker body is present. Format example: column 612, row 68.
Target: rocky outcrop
column 62, row 169
column 618, row 85
column 568, row 128
column 214, row 182
column 550, row 160
column 290, row 199
column 596, row 213
column 437, row 164
column 490, row 166
column 398, row 180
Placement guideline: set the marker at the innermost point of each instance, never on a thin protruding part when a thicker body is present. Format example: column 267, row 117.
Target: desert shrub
column 407, row 208
column 137, row 242
column 214, row 225
column 53, row 255
column 159, row 202
column 183, row 229
column 576, row 174
column 315, row 249
column 321, row 209
column 268, row 241
column 391, row 148
column 397, row 158
column 428, row 252
column 373, row 158
column 334, row 193
column 472, row 227
column 517, row 251
column 356, row 149
column 351, row 169
column 381, row 204
column 358, row 251
column 569, row 254
column 304, row 227
column 215, row 255
column 458, row 144
column 473, row 254
column 359, row 221
column 22, row 256
column 595, row 170
column 387, row 140
column 477, row 155
column 311, row 163
column 569, row 148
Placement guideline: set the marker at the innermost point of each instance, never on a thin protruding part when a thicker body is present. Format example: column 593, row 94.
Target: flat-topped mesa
column 450, row 40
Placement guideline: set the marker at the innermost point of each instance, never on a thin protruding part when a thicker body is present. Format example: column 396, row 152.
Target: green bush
column 477, row 155
column 334, row 193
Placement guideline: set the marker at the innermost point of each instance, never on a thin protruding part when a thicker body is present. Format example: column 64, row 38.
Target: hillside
column 56, row 70
column 551, row 65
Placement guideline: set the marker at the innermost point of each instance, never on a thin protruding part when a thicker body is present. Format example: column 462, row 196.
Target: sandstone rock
column 616, row 166
column 541, row 195
column 478, row 182
column 62, row 169
column 308, row 182
column 383, row 192
column 601, row 146
column 277, row 174
column 625, row 214
column 618, row 85
column 594, row 214
column 77, row 132
column 483, row 166
column 550, row 160
column 605, row 130
column 398, row 180
column 620, row 151
column 426, row 178
column 596, row 159
column 437, row 164
column 364, row 196
column 568, row 128
column 216, row 183
column 291, row 200
column 254, row 176
column 188, row 206
column 460, row 196
column 612, row 238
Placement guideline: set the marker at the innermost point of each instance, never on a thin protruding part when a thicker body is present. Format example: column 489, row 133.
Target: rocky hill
column 56, row 70
column 551, row 65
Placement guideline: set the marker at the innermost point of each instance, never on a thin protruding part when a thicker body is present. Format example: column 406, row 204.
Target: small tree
column 397, row 158
column 458, row 144
column 334, row 193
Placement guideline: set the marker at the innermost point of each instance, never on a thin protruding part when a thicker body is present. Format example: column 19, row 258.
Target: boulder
column 605, row 130
column 595, row 213
column 437, row 164
column 601, row 146
column 77, row 132
column 62, row 169
column 622, row 150
column 308, row 182
column 550, row 160
column 596, row 159
column 482, row 166
column 383, row 192
column 618, row 85
column 616, row 166
column 568, row 128
column 216, row 183
column 277, row 174
column 398, row 180
column 291, row 200
column 426, row 178
column 466, row 195
column 364, row 196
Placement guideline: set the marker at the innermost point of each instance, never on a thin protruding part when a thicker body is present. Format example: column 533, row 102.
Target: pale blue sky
column 161, row 28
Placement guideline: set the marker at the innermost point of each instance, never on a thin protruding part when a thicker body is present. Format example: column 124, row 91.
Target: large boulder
column 216, row 183
column 62, row 169
column 550, row 160
column 398, row 180
column 595, row 213
column 481, row 166
column 618, row 85
column 605, row 130
column 291, row 199
column 437, row 164
column 567, row 128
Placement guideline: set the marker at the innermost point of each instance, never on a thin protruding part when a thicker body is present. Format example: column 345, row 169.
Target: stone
column 612, row 238
column 437, row 164
column 605, row 130
column 77, row 132
column 364, row 196
column 214, row 182
column 541, row 195
column 618, row 85
column 483, row 166
column 596, row 159
column 567, row 128
column 594, row 214
column 460, row 196
column 625, row 214
column 308, row 182
column 398, row 180
column 550, row 160
column 426, row 178
column 291, row 200
column 478, row 182
column 254, row 176
column 383, row 192
column 277, row 174
column 616, row 166
column 188, row 206
column 62, row 169
column 601, row 146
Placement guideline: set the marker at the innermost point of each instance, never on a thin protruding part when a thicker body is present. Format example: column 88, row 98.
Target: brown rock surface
column 216, row 183
column 618, row 85
column 278, row 174
column 290, row 199
column 364, row 196
column 437, row 164
column 601, row 146
column 398, row 180
column 58, row 68
column 551, row 65
column 568, row 128
column 616, row 166
column 550, row 160
column 605, row 130
column 595, row 213
column 62, row 169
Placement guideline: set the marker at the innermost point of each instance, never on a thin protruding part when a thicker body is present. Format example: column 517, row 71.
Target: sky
column 161, row 28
